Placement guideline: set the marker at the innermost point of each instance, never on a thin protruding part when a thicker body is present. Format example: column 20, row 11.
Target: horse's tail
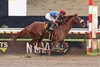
column 20, row 34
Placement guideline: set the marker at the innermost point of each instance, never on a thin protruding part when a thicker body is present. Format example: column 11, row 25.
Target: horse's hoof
column 53, row 49
column 65, row 50
column 49, row 53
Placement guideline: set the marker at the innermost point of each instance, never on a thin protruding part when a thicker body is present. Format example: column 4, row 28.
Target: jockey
column 55, row 17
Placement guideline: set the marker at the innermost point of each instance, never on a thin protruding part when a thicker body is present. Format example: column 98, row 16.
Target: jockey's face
column 62, row 15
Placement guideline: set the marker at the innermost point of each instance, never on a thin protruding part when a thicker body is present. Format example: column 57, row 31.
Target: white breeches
column 50, row 18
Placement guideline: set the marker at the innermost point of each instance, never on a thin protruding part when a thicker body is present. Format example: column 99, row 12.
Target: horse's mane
column 68, row 18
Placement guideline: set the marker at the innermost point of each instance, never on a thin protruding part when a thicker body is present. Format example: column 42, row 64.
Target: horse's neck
column 68, row 25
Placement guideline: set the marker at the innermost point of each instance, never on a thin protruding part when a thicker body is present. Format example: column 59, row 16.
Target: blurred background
column 3, row 8
column 36, row 10
column 41, row 7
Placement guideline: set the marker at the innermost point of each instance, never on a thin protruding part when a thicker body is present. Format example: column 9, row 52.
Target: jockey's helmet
column 62, row 11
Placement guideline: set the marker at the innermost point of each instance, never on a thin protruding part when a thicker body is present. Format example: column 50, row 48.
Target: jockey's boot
column 50, row 36
column 52, row 26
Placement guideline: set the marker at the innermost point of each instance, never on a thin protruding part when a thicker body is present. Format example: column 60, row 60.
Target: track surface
column 49, row 61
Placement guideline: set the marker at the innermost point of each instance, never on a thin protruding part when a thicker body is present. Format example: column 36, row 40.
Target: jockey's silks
column 54, row 14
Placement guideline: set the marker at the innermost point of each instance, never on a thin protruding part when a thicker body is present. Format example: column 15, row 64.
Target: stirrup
column 50, row 36
column 51, row 28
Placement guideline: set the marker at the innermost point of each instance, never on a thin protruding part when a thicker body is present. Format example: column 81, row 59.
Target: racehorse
column 37, row 31
column 61, row 32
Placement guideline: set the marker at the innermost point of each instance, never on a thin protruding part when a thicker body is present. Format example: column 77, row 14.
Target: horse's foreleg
column 54, row 45
column 64, row 44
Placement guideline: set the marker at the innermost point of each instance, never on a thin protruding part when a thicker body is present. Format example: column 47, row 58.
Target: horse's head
column 78, row 20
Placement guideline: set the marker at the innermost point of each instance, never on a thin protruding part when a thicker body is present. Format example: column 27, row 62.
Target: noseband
column 81, row 20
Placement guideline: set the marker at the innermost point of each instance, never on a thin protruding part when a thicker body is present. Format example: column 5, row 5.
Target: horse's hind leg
column 40, row 42
column 33, row 42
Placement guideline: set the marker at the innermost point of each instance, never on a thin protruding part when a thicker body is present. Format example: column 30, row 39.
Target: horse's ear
column 75, row 14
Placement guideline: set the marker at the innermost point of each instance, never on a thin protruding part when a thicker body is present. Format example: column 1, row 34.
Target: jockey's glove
column 62, row 21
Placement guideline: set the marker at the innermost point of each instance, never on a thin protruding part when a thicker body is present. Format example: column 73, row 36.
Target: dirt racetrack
column 49, row 61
